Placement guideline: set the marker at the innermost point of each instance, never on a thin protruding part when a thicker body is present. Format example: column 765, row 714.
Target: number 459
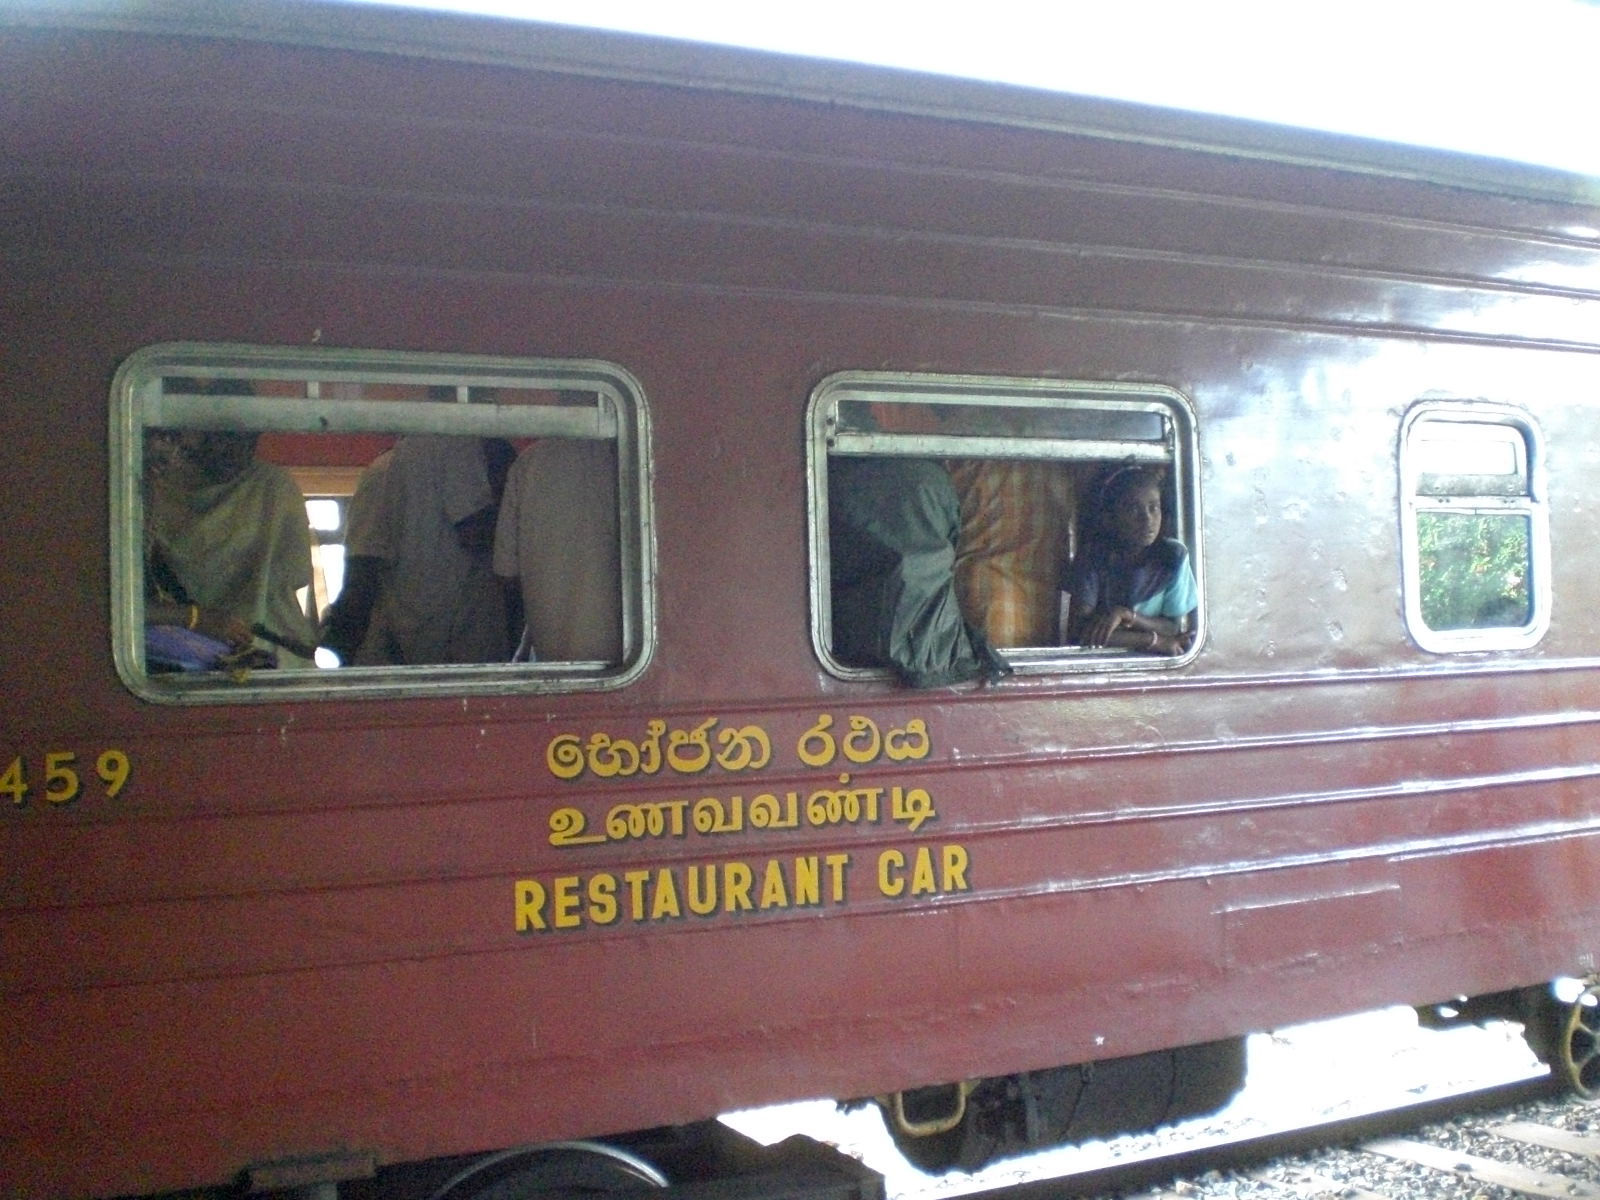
column 61, row 781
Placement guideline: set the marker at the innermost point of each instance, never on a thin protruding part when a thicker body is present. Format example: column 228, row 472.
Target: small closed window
column 316, row 522
column 1475, row 529
column 967, row 527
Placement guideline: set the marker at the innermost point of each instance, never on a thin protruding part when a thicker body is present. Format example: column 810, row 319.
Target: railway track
column 1322, row 1104
column 1499, row 1143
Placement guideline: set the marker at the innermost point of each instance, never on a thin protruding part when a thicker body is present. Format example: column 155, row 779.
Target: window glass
column 322, row 522
column 1476, row 552
column 1469, row 458
column 964, row 528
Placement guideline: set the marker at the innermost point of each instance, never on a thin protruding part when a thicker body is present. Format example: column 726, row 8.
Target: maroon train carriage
column 814, row 379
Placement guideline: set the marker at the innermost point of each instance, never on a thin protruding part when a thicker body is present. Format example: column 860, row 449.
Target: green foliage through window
column 1474, row 569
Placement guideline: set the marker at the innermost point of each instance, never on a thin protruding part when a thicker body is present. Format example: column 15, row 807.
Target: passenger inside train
column 558, row 549
column 347, row 620
column 1018, row 518
column 895, row 524
column 1041, row 486
column 227, row 549
column 1130, row 587
column 423, row 576
column 179, row 635
column 418, row 554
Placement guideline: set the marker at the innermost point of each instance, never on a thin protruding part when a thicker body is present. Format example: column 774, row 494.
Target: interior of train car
column 1023, row 467
column 576, row 517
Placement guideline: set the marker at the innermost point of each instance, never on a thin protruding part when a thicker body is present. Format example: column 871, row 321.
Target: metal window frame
column 1180, row 454
column 137, row 402
column 1531, row 503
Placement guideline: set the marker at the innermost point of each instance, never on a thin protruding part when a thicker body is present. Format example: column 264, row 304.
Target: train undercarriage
column 970, row 1124
column 1560, row 1021
column 959, row 1126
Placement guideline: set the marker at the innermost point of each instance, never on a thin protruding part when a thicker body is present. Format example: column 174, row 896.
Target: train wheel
column 1577, row 1052
column 551, row 1172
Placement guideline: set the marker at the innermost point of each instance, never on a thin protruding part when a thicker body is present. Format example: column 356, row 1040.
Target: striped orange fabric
column 1017, row 525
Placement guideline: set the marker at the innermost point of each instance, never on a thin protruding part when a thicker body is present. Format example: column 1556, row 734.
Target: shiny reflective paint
column 293, row 929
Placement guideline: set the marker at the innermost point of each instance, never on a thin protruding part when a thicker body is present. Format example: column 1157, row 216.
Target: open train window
column 319, row 523
column 1475, row 534
column 952, row 516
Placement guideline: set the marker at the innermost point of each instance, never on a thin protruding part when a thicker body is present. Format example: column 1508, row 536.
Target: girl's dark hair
column 1114, row 484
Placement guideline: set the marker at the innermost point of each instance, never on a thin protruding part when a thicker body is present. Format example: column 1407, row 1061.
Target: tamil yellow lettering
column 843, row 805
column 567, row 827
column 631, row 821
column 913, row 806
column 711, row 816
column 768, row 812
